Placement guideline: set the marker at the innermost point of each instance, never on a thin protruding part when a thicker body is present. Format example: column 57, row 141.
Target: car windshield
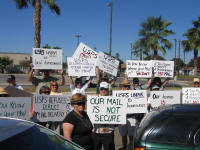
column 145, row 121
column 37, row 138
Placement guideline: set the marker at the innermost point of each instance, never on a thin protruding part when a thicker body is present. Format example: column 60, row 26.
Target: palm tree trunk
column 37, row 23
column 155, row 55
column 195, row 61
column 140, row 54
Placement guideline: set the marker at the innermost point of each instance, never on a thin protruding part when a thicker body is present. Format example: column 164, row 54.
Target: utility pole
column 179, row 49
column 175, row 55
column 131, row 51
column 78, row 37
column 110, row 5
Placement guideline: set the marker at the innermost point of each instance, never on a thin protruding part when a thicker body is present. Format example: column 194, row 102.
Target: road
column 22, row 80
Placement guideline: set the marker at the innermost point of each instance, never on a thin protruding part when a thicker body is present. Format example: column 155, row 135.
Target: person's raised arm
column 67, row 130
column 30, row 74
column 97, row 75
column 71, row 82
column 165, row 82
column 150, row 81
column 62, row 79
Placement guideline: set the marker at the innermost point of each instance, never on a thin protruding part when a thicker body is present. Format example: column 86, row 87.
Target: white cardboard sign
column 83, row 51
column 106, row 110
column 15, row 107
column 191, row 95
column 50, row 107
column 107, row 63
column 163, row 68
column 136, row 100
column 47, row 58
column 140, row 69
column 81, row 67
column 158, row 98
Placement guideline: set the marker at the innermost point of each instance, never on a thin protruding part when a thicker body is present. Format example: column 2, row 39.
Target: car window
column 37, row 138
column 197, row 138
column 175, row 130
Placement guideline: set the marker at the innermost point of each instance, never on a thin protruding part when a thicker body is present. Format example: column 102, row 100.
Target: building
column 17, row 58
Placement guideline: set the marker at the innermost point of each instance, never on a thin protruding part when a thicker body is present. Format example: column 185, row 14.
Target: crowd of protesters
column 77, row 126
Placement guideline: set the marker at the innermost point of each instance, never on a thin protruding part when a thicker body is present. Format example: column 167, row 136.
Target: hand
column 31, row 65
column 61, row 71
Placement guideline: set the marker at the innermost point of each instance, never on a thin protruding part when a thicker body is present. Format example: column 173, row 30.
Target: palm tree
column 139, row 48
column 193, row 41
column 154, row 31
column 37, row 14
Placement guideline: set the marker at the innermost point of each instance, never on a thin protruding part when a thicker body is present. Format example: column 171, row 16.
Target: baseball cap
column 10, row 77
column 44, row 89
column 196, row 80
column 103, row 85
column 155, row 87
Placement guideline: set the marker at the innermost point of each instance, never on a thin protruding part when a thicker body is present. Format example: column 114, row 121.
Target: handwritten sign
column 163, row 68
column 47, row 58
column 81, row 67
column 106, row 110
column 191, row 95
column 50, row 107
column 107, row 63
column 83, row 51
column 15, row 107
column 136, row 100
column 158, row 98
column 140, row 69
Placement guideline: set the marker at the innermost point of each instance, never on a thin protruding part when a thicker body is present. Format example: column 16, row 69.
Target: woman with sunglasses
column 77, row 87
column 77, row 126
column 54, row 88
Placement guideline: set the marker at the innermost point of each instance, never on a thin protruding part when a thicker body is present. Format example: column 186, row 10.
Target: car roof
column 179, row 108
column 10, row 127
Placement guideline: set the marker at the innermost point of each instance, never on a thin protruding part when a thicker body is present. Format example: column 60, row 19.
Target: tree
column 37, row 14
column 139, row 48
column 149, row 57
column 154, row 31
column 179, row 64
column 191, row 63
column 46, row 46
column 5, row 62
column 193, row 41
column 25, row 64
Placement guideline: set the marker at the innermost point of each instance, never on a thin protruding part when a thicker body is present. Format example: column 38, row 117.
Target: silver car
column 17, row 134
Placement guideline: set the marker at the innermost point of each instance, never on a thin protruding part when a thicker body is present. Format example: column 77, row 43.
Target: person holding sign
column 138, row 86
column 196, row 82
column 45, row 79
column 77, row 126
column 128, row 128
column 77, row 87
column 157, row 81
column 103, row 134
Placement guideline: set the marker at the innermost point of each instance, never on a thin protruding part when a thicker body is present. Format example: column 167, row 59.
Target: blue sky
column 91, row 19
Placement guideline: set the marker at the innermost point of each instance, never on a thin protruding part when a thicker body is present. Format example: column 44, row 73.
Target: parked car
column 175, row 127
column 17, row 134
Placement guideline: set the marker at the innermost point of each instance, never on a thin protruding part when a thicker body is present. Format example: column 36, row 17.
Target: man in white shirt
column 12, row 82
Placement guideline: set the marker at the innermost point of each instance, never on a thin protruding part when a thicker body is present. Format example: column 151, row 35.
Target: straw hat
column 78, row 98
column 3, row 91
column 196, row 80
column 125, row 82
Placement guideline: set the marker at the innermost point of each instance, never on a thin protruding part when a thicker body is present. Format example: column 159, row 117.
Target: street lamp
column 78, row 37
column 110, row 5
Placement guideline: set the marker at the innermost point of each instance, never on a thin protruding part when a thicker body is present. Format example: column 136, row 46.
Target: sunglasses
column 54, row 85
column 126, row 86
column 80, row 103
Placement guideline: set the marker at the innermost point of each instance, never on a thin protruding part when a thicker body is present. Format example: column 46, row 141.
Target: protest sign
column 140, row 69
column 83, row 51
column 107, row 63
column 158, row 98
column 15, row 107
column 47, row 58
column 163, row 68
column 81, row 67
column 50, row 107
column 106, row 110
column 191, row 95
column 136, row 100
